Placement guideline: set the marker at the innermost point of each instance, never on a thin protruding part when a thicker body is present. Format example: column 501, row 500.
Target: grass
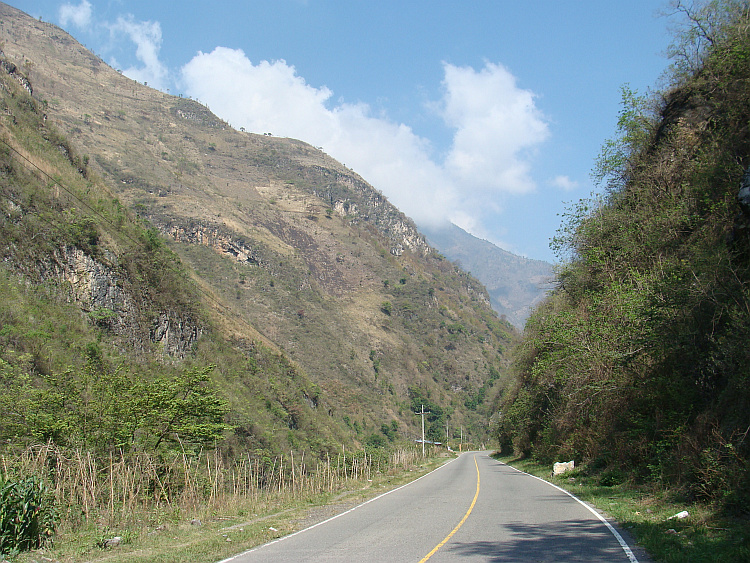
column 204, row 511
column 706, row 535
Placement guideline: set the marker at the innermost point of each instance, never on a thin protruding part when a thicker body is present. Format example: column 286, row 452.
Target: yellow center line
column 461, row 523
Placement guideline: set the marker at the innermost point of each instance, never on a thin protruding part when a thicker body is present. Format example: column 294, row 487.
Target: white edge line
column 282, row 538
column 618, row 537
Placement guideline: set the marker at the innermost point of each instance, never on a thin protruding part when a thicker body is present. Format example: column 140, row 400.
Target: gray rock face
column 13, row 70
column 355, row 199
column 213, row 236
column 175, row 334
column 98, row 289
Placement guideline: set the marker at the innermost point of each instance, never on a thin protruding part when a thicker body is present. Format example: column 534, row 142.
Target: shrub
column 27, row 515
column 376, row 441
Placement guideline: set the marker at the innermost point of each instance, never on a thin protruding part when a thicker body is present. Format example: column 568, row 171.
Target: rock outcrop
column 356, row 200
column 99, row 290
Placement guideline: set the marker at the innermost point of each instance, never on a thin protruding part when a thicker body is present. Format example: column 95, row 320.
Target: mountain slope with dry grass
column 287, row 248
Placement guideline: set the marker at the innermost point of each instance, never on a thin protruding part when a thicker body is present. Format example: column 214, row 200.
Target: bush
column 27, row 515
column 376, row 441
column 612, row 478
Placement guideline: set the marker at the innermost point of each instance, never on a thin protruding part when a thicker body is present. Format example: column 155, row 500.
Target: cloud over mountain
column 493, row 126
column 79, row 16
column 496, row 126
column 146, row 35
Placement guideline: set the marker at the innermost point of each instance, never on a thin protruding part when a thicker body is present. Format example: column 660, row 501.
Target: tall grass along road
column 472, row 508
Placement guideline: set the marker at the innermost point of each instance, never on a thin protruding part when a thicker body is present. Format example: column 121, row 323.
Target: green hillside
column 198, row 320
column 102, row 323
column 638, row 363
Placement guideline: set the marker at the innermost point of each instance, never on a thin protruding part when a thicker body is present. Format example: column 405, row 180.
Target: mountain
column 171, row 242
column 515, row 284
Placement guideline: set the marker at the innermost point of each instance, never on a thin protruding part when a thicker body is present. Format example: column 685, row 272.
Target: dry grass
column 145, row 489
column 153, row 502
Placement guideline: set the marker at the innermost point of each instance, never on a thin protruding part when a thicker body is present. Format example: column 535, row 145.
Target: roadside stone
column 112, row 542
column 560, row 467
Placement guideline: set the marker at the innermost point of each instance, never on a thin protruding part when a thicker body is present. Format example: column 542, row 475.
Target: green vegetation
column 103, row 411
column 637, row 364
column 27, row 514
column 647, row 514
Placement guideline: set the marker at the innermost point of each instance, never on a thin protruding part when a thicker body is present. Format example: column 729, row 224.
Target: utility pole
column 422, row 412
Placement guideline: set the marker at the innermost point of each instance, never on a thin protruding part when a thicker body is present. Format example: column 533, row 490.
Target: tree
column 104, row 410
column 703, row 27
column 181, row 409
column 636, row 123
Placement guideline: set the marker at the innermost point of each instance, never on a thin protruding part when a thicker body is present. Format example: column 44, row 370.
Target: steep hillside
column 516, row 284
column 105, row 341
column 278, row 246
column 639, row 361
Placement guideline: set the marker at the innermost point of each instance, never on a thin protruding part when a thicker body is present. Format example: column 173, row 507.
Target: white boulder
column 561, row 467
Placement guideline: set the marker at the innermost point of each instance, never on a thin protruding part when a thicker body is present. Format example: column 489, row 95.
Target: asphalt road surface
column 473, row 508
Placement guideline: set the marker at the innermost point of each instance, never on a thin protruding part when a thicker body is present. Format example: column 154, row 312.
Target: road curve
column 473, row 508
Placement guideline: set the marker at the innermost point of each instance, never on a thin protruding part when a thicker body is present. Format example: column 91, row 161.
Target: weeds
column 27, row 515
column 125, row 495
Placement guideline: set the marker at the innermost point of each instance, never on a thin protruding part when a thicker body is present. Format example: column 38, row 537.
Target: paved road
column 471, row 509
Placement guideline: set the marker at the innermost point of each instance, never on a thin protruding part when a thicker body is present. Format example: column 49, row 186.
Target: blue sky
column 486, row 113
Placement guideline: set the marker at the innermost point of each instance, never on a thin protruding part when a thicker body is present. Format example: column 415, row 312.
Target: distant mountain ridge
column 516, row 284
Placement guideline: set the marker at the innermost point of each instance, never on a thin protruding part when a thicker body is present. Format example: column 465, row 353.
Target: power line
column 70, row 192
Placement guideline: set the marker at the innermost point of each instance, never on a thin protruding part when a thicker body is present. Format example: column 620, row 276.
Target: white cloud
column 564, row 183
column 147, row 38
column 271, row 97
column 80, row 15
column 496, row 125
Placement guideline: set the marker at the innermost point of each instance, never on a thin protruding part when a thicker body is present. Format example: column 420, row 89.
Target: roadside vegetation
column 182, row 505
column 649, row 513
column 636, row 366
